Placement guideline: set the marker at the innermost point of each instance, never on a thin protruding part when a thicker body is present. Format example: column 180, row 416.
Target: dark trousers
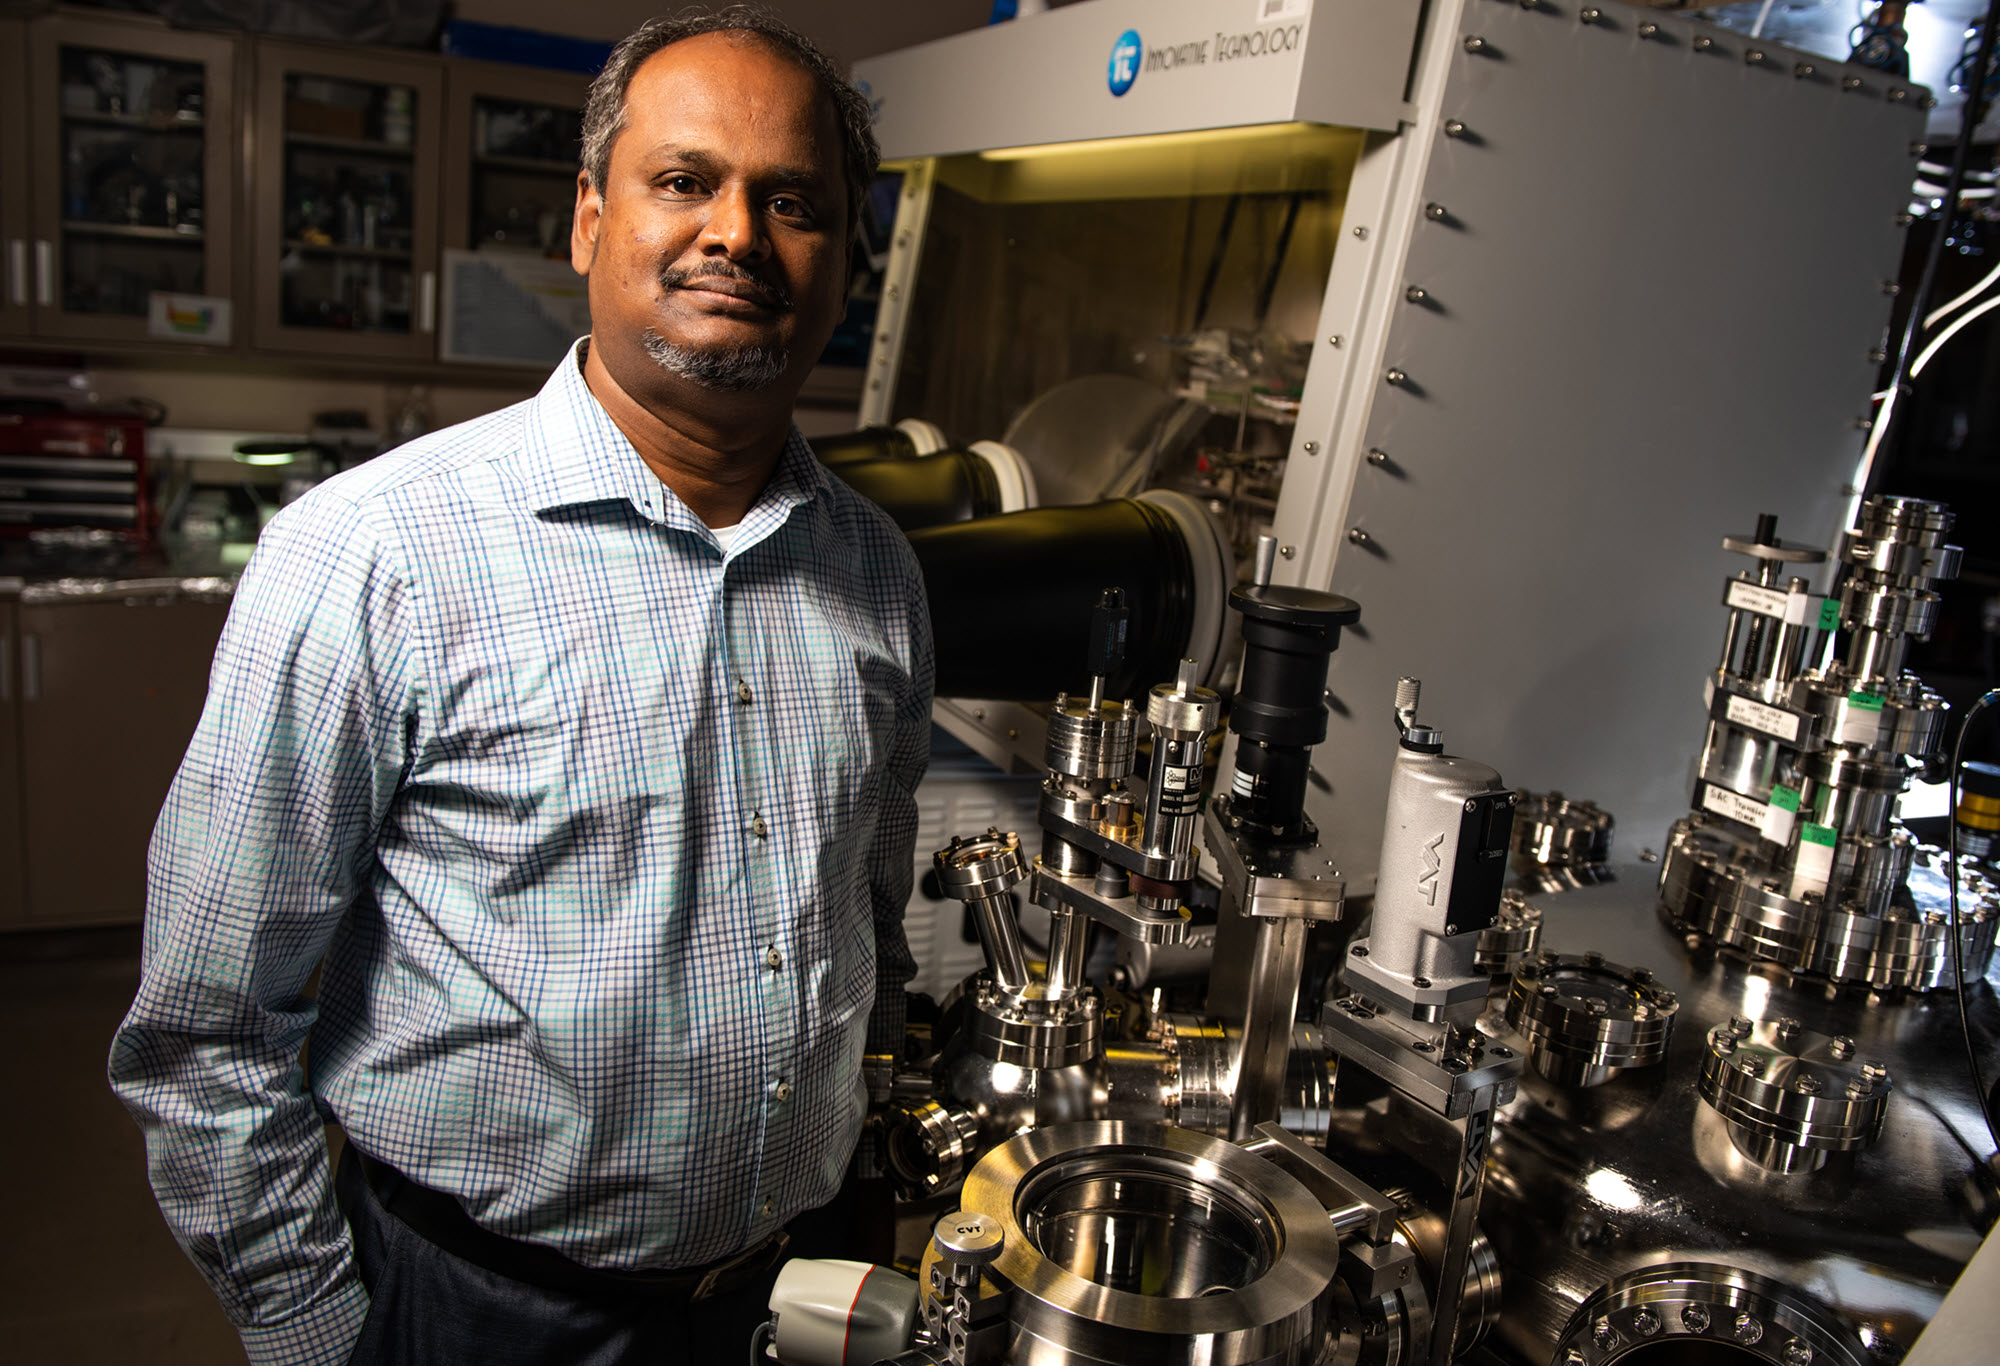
column 431, row 1308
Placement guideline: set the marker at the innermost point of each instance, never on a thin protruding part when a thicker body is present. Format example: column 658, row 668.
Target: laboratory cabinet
column 101, row 695
column 344, row 201
column 118, row 181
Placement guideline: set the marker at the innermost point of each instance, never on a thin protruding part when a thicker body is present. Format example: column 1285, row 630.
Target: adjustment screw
column 1359, row 950
column 1453, row 128
column 1694, row 1318
column 1749, row 1329
column 1416, row 294
column 1645, row 1323
column 1474, row 43
column 1436, row 212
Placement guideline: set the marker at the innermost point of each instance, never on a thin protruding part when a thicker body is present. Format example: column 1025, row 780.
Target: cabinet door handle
column 31, row 668
column 17, row 271
column 45, row 272
column 427, row 297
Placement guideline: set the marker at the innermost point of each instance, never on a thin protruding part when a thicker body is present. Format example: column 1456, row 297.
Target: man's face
column 717, row 250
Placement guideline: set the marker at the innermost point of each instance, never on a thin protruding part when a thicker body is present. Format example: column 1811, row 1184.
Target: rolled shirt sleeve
column 265, row 842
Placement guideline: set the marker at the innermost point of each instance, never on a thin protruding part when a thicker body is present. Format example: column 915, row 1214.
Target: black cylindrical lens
column 1279, row 714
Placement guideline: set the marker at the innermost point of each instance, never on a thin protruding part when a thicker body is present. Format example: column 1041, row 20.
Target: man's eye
column 681, row 184
column 786, row 206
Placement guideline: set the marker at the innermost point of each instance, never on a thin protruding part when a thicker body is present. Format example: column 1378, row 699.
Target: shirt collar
column 575, row 454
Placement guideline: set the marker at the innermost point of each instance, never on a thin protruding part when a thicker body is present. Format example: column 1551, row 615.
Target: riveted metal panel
column 1650, row 289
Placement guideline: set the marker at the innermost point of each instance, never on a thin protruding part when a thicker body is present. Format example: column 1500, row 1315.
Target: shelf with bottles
column 345, row 294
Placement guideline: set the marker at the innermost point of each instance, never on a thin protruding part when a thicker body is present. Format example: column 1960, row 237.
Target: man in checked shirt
column 577, row 744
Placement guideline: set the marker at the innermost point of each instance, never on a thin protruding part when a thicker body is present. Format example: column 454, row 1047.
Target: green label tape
column 1829, row 614
column 1819, row 834
column 1866, row 701
column 1784, row 798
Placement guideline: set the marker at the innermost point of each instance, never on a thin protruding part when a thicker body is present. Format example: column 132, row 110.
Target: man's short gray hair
column 604, row 114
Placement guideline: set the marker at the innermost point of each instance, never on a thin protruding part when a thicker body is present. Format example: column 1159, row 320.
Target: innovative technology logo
column 1124, row 66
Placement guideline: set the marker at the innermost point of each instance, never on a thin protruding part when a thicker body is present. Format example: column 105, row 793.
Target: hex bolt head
column 1645, row 1323
column 1604, row 1335
column 1798, row 1354
column 1858, row 1090
column 1806, row 1084
column 1474, row 43
column 1788, row 1029
column 1694, row 1318
column 1874, row 1071
column 1723, row 1042
column 1752, row 1064
column 1593, row 959
column 1597, row 1007
column 1435, row 211
column 1841, row 1047
column 1453, row 128
column 1740, row 1025
column 1749, row 1329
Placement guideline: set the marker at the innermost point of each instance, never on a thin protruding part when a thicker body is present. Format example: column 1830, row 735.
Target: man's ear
column 583, row 225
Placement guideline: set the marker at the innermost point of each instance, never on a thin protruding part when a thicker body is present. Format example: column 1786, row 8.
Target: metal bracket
column 1354, row 1206
column 1126, row 855
column 1276, row 882
column 1120, row 913
column 1417, row 1061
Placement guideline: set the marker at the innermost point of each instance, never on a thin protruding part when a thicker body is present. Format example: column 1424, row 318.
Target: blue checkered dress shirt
column 603, row 836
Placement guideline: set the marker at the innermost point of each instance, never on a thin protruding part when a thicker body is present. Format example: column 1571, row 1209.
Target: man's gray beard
column 734, row 369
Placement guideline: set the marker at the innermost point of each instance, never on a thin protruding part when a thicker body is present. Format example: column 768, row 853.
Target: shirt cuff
column 321, row 1334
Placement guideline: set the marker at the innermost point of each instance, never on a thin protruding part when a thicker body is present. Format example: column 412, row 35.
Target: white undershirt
column 725, row 536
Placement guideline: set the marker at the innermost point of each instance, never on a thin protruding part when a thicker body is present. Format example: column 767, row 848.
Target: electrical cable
column 1965, row 298
column 1941, row 338
column 1989, row 29
column 1957, row 968
column 758, row 1341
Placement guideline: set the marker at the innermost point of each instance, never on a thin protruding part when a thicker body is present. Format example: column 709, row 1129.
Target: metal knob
column 969, row 1240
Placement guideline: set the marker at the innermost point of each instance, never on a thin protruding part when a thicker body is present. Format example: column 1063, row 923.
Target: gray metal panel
column 1208, row 64
column 1651, row 306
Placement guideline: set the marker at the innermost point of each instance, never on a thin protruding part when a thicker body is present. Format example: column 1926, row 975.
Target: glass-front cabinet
column 513, row 139
column 133, row 183
column 345, row 202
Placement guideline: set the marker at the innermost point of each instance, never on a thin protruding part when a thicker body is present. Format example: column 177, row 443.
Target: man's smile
column 721, row 289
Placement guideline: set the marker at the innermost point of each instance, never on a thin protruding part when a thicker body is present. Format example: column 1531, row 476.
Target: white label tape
column 1734, row 805
column 1813, row 869
column 1743, row 711
column 1752, row 597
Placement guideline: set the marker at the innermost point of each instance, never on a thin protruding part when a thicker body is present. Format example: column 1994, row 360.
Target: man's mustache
column 764, row 293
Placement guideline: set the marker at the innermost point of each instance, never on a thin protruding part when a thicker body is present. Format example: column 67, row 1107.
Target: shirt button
column 758, row 828
column 773, row 959
column 783, row 1090
column 768, row 1208
column 743, row 693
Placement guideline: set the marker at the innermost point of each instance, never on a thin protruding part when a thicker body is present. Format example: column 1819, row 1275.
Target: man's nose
column 734, row 228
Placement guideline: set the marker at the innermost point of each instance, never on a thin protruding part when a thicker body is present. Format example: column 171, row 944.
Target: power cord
column 1957, row 967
